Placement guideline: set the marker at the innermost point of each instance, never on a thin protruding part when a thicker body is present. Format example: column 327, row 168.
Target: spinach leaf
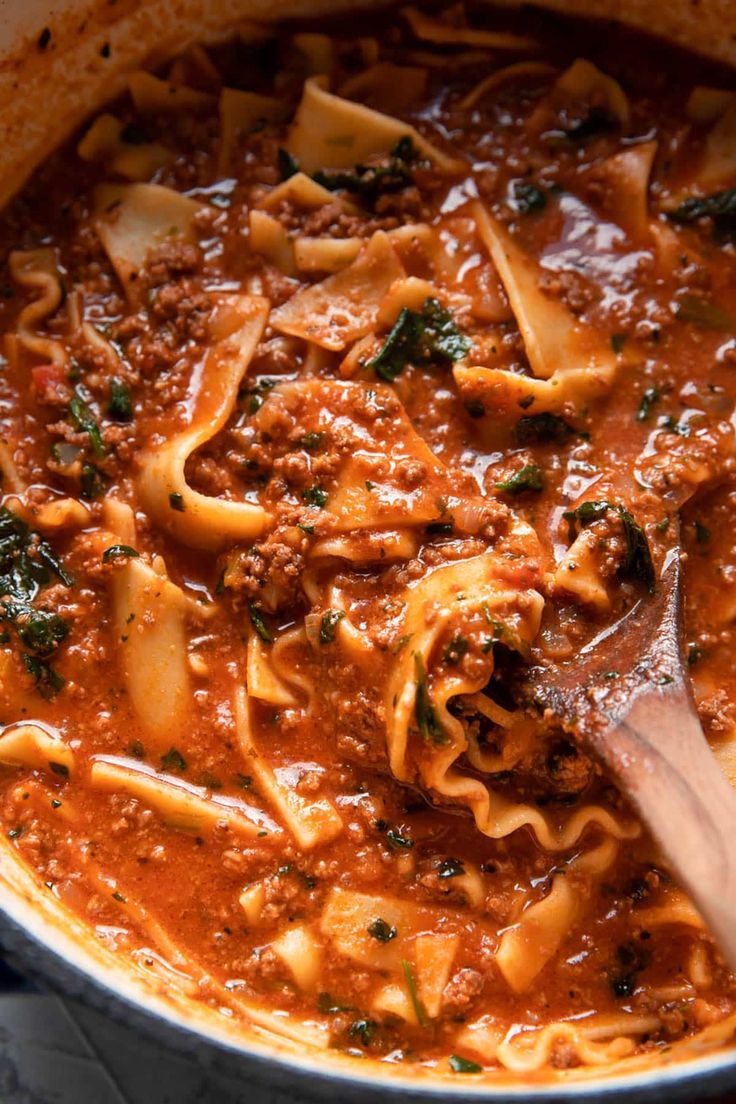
column 382, row 931
column 417, row 1005
column 371, row 181
column 365, row 1030
column 402, row 843
column 328, row 625
column 39, row 630
column 424, row 711
column 27, row 564
column 120, row 406
column 720, row 207
column 406, row 151
column 312, row 441
column 529, row 478
column 596, row 123
column 429, row 336
column 648, row 399
column 638, row 563
column 260, row 625
column 451, row 868
column 538, row 429
column 458, row 1064
column 367, row 181
column 631, row 959
column 84, row 421
column 173, row 760
column 528, row 197
column 119, row 551
column 48, row 681
column 93, row 483
column 315, row 496
column 288, row 166
column 255, row 394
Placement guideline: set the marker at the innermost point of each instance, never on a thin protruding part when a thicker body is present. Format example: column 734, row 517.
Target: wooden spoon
column 628, row 696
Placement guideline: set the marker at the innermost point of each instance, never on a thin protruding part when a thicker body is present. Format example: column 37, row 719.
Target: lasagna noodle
column 153, row 96
column 311, row 822
column 182, row 806
column 331, row 133
column 243, row 112
column 150, row 616
column 274, row 672
column 343, row 307
column 521, row 70
column 37, row 270
column 527, row 946
column 715, row 167
column 9, row 474
column 132, row 219
column 40, row 748
column 105, row 143
column 270, row 238
column 346, row 921
column 193, row 518
column 454, row 592
column 362, row 501
column 572, row 363
column 97, row 344
column 301, row 191
column 595, row 1041
column 585, row 83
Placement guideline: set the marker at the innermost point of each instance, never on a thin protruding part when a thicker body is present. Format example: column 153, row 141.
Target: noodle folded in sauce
column 344, row 377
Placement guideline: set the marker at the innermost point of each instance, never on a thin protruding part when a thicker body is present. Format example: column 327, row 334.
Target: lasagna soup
column 345, row 376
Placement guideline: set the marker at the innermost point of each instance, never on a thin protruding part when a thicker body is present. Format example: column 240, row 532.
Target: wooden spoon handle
column 663, row 762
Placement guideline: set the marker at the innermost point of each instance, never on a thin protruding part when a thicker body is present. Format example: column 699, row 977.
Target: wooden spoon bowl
column 627, row 696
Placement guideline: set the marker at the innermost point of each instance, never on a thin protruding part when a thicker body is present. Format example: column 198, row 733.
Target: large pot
column 71, row 56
